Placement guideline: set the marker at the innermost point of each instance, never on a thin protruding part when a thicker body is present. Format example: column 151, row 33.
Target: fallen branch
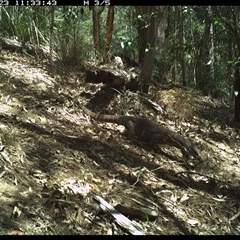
column 120, row 219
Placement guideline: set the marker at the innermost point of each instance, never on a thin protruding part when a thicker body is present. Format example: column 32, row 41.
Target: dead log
column 120, row 219
column 10, row 44
column 15, row 45
column 116, row 78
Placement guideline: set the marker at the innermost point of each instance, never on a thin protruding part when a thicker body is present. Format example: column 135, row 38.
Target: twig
column 120, row 219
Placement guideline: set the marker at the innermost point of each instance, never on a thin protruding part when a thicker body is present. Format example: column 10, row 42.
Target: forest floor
column 54, row 159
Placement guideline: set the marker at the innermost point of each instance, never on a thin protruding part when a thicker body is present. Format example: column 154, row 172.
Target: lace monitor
column 148, row 131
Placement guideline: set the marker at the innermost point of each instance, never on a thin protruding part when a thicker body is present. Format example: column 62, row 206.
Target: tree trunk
column 237, row 92
column 51, row 35
column 96, row 13
column 146, row 71
column 147, row 32
column 109, row 29
column 181, row 43
column 174, row 66
column 211, row 48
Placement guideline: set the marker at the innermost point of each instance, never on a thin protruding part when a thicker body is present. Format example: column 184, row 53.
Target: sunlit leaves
column 209, row 62
column 187, row 9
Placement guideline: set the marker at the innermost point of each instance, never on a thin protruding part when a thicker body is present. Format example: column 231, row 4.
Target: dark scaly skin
column 148, row 131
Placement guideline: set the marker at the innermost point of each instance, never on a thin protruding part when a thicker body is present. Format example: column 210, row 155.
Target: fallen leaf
column 184, row 198
column 15, row 232
column 193, row 222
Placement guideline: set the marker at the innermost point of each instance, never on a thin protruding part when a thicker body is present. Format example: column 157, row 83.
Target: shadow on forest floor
column 53, row 160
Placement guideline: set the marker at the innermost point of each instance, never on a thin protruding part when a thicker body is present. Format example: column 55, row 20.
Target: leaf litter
column 54, row 160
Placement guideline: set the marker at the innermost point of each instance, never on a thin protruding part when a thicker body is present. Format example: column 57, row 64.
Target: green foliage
column 125, row 32
column 196, row 47
column 16, row 22
column 26, row 23
column 70, row 42
column 73, row 40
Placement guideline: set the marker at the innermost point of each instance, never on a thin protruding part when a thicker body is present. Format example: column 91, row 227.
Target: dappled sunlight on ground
column 54, row 159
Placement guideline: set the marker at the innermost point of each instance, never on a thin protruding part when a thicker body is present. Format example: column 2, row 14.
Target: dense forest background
column 196, row 46
column 62, row 172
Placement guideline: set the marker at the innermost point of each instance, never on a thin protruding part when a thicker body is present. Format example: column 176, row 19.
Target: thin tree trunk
column 148, row 32
column 237, row 92
column 142, row 12
column 211, row 48
column 51, row 35
column 109, row 30
column 181, row 43
column 96, row 13
column 174, row 67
